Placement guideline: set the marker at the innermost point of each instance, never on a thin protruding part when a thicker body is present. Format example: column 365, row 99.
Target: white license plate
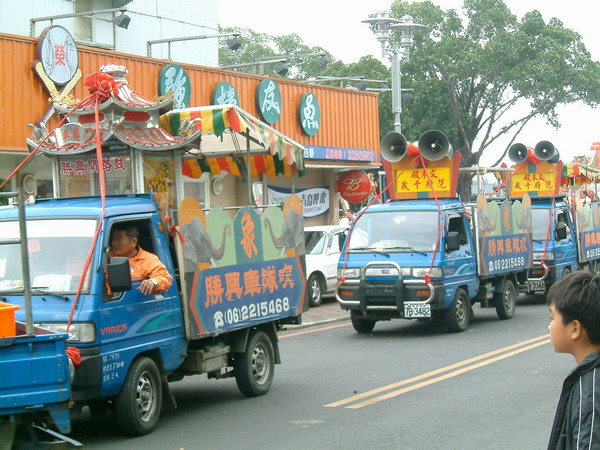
column 417, row 310
column 536, row 285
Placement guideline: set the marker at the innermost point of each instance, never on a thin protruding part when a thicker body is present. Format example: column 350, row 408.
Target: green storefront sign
column 309, row 114
column 268, row 100
column 174, row 78
column 224, row 94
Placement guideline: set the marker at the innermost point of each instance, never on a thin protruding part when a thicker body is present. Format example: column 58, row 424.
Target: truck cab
column 554, row 242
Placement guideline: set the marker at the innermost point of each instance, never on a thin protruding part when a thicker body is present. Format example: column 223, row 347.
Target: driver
column 145, row 265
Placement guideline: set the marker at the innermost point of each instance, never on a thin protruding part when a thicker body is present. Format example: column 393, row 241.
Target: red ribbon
column 174, row 231
column 74, row 355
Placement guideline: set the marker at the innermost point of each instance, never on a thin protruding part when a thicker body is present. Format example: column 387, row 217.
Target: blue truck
column 554, row 242
column 220, row 316
column 433, row 259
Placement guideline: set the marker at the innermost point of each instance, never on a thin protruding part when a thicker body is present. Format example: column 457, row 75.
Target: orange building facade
column 347, row 138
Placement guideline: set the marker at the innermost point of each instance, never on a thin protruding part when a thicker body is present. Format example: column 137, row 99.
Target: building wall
column 349, row 118
column 150, row 20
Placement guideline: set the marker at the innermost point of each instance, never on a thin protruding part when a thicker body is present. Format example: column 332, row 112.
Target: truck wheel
column 254, row 369
column 457, row 317
column 137, row 407
column 314, row 290
column 506, row 301
column 360, row 324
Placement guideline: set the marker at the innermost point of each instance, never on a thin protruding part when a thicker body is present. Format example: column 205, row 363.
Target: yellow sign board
column 536, row 179
column 423, row 180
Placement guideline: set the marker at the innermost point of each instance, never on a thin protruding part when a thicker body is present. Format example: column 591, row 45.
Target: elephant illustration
column 292, row 233
column 524, row 221
column 198, row 247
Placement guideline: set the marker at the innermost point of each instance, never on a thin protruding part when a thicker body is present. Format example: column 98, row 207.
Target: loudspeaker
column 518, row 153
column 545, row 151
column 434, row 145
column 393, row 147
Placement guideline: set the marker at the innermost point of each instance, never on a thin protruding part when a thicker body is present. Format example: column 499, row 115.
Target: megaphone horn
column 555, row 157
column 434, row 145
column 518, row 153
column 394, row 146
column 544, row 150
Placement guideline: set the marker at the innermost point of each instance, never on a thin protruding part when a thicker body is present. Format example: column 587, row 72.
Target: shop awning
column 233, row 138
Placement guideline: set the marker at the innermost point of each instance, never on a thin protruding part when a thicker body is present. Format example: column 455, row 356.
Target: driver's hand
column 147, row 287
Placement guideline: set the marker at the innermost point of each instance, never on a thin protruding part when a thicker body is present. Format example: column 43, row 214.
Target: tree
column 469, row 73
column 259, row 45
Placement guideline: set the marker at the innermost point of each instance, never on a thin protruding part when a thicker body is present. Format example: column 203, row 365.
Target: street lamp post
column 383, row 25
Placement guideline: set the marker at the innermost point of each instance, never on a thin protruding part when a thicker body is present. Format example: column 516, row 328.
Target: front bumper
column 385, row 297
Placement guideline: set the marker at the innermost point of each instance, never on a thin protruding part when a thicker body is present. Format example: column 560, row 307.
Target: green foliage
column 3, row 201
column 469, row 73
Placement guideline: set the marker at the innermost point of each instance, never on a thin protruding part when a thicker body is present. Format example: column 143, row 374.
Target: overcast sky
column 336, row 26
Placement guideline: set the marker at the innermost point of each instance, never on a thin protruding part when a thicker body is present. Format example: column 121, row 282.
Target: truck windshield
column 400, row 231
column 57, row 252
column 540, row 218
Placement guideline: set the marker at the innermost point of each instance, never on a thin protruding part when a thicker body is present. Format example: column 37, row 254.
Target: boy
column 575, row 328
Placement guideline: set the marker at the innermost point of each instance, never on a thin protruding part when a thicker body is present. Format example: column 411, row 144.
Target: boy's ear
column 577, row 330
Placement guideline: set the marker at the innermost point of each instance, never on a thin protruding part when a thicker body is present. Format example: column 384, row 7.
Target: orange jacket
column 146, row 265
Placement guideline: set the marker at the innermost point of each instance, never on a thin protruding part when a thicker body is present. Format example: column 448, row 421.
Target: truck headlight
column 349, row 272
column 538, row 256
column 79, row 332
column 420, row 272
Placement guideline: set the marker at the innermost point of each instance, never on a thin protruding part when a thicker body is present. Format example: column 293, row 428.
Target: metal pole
column 25, row 261
column 396, row 88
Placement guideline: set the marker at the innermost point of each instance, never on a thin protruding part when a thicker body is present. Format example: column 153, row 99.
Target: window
column 457, row 223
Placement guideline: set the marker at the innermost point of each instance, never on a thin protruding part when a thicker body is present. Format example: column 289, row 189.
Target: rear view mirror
column 452, row 241
column 119, row 274
column 561, row 231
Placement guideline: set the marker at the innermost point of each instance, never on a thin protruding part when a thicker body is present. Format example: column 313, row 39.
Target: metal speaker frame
column 393, row 147
column 518, row 153
column 434, row 145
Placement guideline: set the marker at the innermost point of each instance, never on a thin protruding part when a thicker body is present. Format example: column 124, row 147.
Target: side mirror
column 561, row 231
column 119, row 274
column 452, row 241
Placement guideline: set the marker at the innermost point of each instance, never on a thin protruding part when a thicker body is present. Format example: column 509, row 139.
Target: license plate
column 417, row 310
column 536, row 285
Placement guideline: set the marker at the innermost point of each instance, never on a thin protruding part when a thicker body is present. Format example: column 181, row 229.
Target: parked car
column 323, row 244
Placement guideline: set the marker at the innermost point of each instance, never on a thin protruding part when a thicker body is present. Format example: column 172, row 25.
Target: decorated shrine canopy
column 229, row 136
column 579, row 173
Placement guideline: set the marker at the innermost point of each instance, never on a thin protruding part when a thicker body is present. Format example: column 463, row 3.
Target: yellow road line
column 435, row 372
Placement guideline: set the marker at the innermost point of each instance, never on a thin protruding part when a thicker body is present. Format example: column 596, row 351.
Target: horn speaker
column 518, row 153
column 394, row 147
column 545, row 151
column 434, row 145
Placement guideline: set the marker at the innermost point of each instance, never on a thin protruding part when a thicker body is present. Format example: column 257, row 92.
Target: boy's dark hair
column 577, row 297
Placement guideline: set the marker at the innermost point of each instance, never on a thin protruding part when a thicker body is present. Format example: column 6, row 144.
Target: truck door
column 460, row 265
column 131, row 322
column 565, row 250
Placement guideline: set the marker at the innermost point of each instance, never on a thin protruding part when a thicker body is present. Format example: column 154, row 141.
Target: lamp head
column 281, row 69
column 234, row 43
column 122, row 20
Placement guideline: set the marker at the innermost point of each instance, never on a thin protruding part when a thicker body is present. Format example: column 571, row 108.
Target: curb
column 317, row 322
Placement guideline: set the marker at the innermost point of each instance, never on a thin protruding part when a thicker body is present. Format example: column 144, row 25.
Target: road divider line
column 445, row 376
column 436, row 372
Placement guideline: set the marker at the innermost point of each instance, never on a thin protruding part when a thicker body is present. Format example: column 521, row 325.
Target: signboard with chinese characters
column 309, row 113
column 416, row 177
column 504, row 232
column 315, row 201
column 224, row 94
column 339, row 153
column 588, row 230
column 243, row 271
column 268, row 100
column 539, row 178
column 58, row 54
column 174, row 78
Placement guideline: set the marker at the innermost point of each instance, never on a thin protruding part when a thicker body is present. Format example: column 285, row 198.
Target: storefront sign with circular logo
column 58, row 54
column 268, row 100
column 224, row 94
column 174, row 78
column 354, row 186
column 309, row 114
